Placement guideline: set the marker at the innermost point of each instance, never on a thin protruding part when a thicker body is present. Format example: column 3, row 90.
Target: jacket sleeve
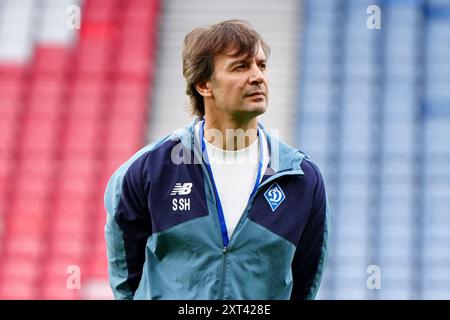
column 128, row 226
column 311, row 253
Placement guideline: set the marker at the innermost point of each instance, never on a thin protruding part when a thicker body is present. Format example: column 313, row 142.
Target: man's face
column 239, row 85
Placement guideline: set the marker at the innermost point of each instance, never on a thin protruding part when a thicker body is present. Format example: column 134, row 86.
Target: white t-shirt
column 234, row 175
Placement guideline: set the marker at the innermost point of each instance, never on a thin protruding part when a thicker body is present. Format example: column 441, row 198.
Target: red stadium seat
column 87, row 102
column 81, row 137
column 98, row 227
column 28, row 186
column 83, row 166
column 48, row 86
column 51, row 59
column 46, row 98
column 45, row 109
column 96, row 10
column 93, row 56
column 19, row 269
column 26, row 224
column 135, row 33
column 126, row 132
column 73, row 218
column 11, row 88
column 140, row 11
column 67, row 206
column 8, row 135
column 108, row 169
column 135, row 64
column 77, row 188
column 10, row 108
column 86, row 107
column 25, row 246
column 129, row 101
column 98, row 216
column 56, row 266
column 74, row 227
column 73, row 246
column 38, row 167
column 56, row 289
column 35, row 207
column 97, row 267
column 88, row 85
column 4, row 192
column 14, row 289
column 68, row 119
column 12, row 72
column 40, row 136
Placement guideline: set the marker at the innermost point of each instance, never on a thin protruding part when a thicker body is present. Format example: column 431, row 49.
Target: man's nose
column 256, row 76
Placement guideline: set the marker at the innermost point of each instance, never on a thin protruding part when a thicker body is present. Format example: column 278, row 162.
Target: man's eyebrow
column 235, row 62
column 245, row 60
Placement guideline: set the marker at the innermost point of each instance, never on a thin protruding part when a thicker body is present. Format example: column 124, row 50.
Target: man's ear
column 204, row 89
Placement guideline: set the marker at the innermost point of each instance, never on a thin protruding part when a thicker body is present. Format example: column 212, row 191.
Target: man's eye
column 240, row 67
column 262, row 66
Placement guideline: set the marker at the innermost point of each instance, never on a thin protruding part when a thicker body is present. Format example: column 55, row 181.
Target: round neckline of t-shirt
column 244, row 155
column 252, row 146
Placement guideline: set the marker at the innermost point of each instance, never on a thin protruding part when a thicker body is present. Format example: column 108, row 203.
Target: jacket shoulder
column 133, row 169
column 313, row 177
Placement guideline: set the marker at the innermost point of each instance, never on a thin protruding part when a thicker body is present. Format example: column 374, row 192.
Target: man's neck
column 231, row 135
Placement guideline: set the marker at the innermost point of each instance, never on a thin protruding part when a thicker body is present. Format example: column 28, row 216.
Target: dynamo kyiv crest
column 274, row 196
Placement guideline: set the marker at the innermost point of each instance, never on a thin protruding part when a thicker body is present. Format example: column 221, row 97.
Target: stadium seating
column 73, row 107
column 374, row 114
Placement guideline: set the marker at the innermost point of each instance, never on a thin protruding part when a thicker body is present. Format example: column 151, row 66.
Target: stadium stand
column 73, row 107
column 373, row 111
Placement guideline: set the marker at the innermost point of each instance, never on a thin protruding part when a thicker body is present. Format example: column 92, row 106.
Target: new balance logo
column 181, row 189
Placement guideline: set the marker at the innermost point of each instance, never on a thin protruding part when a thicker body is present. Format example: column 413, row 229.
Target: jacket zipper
column 224, row 249
column 222, row 286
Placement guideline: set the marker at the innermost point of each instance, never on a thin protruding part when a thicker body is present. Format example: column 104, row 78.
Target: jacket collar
column 283, row 157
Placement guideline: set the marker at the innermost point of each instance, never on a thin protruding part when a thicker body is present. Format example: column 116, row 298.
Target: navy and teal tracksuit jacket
column 161, row 248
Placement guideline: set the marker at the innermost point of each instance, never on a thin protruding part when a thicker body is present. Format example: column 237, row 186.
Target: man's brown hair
column 201, row 45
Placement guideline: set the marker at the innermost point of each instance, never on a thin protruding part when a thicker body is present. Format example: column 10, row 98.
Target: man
column 220, row 209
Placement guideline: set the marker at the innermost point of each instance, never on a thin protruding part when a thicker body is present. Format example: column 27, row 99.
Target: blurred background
column 370, row 106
